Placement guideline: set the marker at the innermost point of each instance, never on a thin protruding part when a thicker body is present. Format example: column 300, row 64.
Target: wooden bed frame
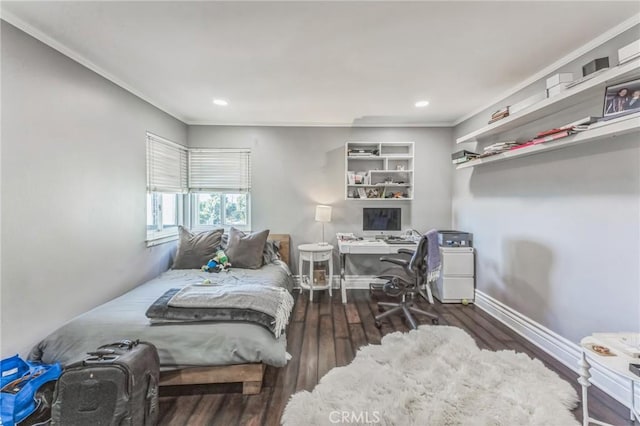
column 250, row 375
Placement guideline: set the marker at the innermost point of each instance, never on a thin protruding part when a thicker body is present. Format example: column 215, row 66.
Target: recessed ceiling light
column 220, row 102
column 421, row 104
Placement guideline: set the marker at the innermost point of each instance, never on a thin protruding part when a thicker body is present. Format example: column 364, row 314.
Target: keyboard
column 400, row 241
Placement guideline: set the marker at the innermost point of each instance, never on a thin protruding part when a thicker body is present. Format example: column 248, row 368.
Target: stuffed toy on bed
column 218, row 263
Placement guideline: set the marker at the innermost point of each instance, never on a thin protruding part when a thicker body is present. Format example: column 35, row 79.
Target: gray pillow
column 195, row 250
column 245, row 251
column 270, row 254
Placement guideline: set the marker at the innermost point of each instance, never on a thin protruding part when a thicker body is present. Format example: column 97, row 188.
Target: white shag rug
column 435, row 375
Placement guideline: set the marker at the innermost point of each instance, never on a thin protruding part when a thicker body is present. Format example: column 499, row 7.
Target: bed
column 190, row 353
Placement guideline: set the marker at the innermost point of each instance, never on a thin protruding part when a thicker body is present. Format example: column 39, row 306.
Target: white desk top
column 371, row 247
column 619, row 363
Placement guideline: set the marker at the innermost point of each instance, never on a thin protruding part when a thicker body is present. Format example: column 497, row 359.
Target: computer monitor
column 382, row 221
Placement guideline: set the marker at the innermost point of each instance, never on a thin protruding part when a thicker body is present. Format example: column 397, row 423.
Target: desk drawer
column 317, row 256
column 369, row 249
column 457, row 263
column 454, row 289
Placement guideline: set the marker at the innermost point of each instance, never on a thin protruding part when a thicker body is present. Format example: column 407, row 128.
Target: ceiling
column 317, row 63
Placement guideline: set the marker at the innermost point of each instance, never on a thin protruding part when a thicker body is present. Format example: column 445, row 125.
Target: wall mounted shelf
column 381, row 168
column 616, row 127
column 557, row 103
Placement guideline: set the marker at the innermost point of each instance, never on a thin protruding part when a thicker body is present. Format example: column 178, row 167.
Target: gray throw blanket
column 433, row 256
column 276, row 302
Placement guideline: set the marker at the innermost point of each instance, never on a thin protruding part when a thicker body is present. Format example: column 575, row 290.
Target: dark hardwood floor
column 325, row 334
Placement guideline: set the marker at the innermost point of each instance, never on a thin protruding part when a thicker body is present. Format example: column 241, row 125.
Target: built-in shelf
column 602, row 130
column 557, row 103
column 380, row 157
column 380, row 168
column 380, row 199
column 378, row 185
column 390, row 171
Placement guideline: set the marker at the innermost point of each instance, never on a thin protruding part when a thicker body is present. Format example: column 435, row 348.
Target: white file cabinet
column 457, row 276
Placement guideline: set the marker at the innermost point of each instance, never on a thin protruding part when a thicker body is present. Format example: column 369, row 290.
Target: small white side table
column 618, row 364
column 315, row 253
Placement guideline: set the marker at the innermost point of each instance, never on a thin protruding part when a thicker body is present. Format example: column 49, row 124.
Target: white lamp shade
column 323, row 213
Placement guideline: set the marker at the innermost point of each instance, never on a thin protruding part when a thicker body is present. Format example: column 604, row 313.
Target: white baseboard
column 555, row 345
column 356, row 282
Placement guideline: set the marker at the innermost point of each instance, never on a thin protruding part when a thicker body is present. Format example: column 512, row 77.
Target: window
column 164, row 212
column 166, row 184
column 220, row 182
column 209, row 187
column 218, row 209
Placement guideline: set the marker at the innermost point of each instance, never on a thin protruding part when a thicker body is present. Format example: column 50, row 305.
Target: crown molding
column 72, row 54
column 598, row 41
column 313, row 124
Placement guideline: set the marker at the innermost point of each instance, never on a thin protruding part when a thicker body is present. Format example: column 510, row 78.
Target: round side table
column 617, row 363
column 315, row 253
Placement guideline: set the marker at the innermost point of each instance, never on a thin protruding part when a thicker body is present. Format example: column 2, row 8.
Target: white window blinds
column 166, row 165
column 212, row 170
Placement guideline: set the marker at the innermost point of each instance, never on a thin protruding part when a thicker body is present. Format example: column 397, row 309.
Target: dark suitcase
column 115, row 385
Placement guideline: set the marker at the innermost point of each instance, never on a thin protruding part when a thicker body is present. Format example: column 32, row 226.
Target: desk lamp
column 323, row 215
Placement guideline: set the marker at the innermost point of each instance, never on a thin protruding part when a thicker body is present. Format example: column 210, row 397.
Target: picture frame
column 621, row 99
column 319, row 277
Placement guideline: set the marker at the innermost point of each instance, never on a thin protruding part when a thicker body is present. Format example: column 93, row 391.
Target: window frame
column 193, row 212
column 159, row 235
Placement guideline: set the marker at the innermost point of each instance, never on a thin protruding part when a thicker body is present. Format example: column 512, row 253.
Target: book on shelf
column 500, row 146
column 502, row 111
column 462, row 154
column 363, row 152
column 586, row 121
column 551, row 137
column 463, row 159
column 498, row 118
column 522, row 145
column 551, row 132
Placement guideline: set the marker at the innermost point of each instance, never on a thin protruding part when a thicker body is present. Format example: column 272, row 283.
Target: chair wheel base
column 378, row 324
column 380, row 309
column 435, row 321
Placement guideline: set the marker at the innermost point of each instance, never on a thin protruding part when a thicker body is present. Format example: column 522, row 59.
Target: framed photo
column 319, row 277
column 622, row 99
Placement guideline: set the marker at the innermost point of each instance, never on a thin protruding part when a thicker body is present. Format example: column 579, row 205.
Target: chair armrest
column 395, row 261
column 406, row 251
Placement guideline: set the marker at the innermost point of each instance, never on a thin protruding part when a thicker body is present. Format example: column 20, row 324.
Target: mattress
column 179, row 345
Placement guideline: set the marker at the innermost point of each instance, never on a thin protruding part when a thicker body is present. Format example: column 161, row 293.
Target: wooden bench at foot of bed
column 249, row 374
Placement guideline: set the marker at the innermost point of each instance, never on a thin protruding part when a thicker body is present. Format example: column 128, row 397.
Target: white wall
column 558, row 234
column 73, row 190
column 295, row 168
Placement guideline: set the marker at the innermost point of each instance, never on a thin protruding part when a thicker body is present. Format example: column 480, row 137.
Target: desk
column 365, row 247
column 618, row 364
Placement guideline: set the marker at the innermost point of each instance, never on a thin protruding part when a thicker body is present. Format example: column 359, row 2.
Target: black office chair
column 406, row 283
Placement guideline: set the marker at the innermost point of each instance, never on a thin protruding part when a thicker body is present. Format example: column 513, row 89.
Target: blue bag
column 19, row 383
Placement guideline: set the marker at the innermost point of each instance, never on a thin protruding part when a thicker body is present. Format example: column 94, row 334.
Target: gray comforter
column 179, row 345
column 240, row 297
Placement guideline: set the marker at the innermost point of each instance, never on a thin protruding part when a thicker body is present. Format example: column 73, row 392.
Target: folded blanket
column 267, row 306
column 433, row 256
column 273, row 301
